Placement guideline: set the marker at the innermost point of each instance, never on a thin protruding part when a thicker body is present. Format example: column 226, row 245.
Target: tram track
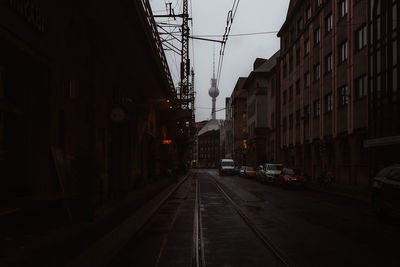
column 268, row 244
column 198, row 245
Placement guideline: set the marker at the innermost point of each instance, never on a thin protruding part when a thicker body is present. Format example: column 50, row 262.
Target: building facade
column 384, row 94
column 239, row 108
column 209, row 144
column 261, row 86
column 324, row 68
column 228, row 128
column 79, row 109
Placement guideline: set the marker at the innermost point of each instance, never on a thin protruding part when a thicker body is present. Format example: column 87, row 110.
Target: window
column 298, row 55
column 361, row 37
column 394, row 16
column 318, row 3
column 328, row 63
column 308, row 13
column 284, row 68
column 273, row 87
column 290, row 61
column 307, row 80
column 273, row 120
column 361, row 86
column 328, row 103
column 284, row 123
column 2, row 126
column 343, row 95
column 300, row 25
column 378, row 60
column 291, row 93
column 328, row 23
column 298, row 87
column 316, row 72
column 298, row 117
column 306, row 112
column 284, row 97
column 343, row 52
column 317, row 37
column 291, row 121
column 342, row 8
column 306, row 47
column 317, row 108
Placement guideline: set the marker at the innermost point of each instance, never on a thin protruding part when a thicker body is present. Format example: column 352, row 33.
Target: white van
column 226, row 166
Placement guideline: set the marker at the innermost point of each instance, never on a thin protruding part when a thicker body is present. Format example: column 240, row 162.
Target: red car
column 292, row 177
column 250, row 172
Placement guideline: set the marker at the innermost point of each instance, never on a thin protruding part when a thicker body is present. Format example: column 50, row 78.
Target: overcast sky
column 209, row 18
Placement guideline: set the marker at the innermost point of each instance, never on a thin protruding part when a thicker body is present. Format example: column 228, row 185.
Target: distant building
column 199, row 126
column 228, row 128
column 209, row 144
column 324, row 67
column 239, row 108
column 261, row 86
column 384, row 98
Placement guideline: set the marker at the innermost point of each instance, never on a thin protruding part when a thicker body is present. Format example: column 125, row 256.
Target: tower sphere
column 213, row 92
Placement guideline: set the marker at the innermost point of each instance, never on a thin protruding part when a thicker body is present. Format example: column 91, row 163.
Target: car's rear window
column 275, row 167
column 227, row 163
column 384, row 172
column 292, row 171
column 250, row 168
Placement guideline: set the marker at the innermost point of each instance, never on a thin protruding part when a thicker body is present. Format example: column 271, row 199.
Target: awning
column 383, row 141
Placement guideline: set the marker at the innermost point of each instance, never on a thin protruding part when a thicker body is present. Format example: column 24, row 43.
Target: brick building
column 228, row 128
column 324, row 68
column 209, row 144
column 262, row 92
column 384, row 96
column 239, row 109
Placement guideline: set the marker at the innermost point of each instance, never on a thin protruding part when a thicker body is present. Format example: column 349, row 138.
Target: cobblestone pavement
column 305, row 227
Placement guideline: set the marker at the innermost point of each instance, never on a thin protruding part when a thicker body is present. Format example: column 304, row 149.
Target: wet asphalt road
column 308, row 228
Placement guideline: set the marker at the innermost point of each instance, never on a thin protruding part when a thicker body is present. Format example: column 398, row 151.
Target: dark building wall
column 61, row 84
column 384, row 99
column 239, row 108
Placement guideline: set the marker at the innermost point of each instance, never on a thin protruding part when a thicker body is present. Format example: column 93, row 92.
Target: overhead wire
column 229, row 21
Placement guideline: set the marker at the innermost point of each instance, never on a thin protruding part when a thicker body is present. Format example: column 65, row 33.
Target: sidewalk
column 60, row 245
column 354, row 192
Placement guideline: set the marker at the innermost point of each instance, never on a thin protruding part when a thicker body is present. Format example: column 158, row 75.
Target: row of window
column 360, row 84
column 342, row 9
column 343, row 99
column 361, row 42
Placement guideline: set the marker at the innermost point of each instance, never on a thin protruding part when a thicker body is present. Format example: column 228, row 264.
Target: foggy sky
column 209, row 18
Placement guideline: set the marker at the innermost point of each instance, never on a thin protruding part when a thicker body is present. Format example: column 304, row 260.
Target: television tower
column 213, row 92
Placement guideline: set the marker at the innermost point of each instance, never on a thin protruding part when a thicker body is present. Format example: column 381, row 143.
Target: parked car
column 260, row 173
column 241, row 171
column 292, row 177
column 250, row 172
column 236, row 170
column 226, row 166
column 272, row 172
column 386, row 191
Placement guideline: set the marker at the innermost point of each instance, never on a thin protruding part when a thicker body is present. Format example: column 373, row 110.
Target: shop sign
column 29, row 11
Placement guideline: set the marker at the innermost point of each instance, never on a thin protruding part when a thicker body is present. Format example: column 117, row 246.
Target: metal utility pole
column 185, row 61
column 186, row 93
column 192, row 97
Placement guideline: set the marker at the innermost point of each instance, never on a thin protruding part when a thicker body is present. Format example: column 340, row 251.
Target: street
column 263, row 226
